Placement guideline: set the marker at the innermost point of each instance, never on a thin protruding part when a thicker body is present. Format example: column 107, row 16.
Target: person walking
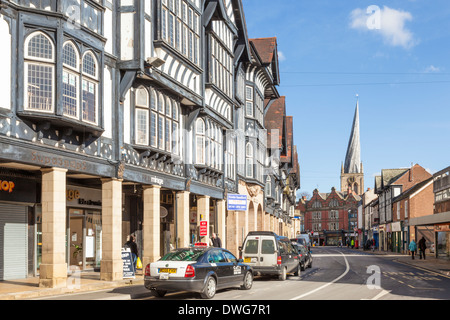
column 422, row 247
column 412, row 248
column 352, row 243
column 134, row 250
column 216, row 242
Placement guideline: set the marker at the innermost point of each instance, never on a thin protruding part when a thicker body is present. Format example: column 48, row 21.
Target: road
column 336, row 274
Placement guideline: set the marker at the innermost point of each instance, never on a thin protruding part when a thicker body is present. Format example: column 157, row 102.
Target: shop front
column 18, row 198
column 442, row 241
column 84, row 229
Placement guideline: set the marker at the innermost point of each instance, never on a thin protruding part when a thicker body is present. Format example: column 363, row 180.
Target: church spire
column 353, row 157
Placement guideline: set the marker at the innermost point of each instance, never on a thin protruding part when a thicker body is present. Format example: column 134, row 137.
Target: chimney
column 411, row 173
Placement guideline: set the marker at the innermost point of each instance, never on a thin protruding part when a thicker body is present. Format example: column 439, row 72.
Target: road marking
column 328, row 284
column 381, row 294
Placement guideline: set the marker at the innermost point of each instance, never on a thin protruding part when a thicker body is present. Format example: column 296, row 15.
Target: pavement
column 82, row 282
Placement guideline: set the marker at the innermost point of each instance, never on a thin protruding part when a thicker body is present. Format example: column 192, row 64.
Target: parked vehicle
column 304, row 240
column 270, row 254
column 304, row 256
column 198, row 269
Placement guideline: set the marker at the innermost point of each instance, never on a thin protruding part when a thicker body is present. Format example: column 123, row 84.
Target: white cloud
column 432, row 69
column 389, row 23
column 281, row 56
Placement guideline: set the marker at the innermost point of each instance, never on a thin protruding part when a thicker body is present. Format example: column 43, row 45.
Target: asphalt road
column 336, row 274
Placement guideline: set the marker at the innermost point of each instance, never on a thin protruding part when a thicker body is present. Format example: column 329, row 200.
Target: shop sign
column 203, row 228
column 7, row 186
column 396, row 226
column 83, row 197
column 18, row 190
column 128, row 265
column 442, row 228
column 236, row 202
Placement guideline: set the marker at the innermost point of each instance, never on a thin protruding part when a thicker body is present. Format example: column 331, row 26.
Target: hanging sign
column 203, row 228
column 236, row 202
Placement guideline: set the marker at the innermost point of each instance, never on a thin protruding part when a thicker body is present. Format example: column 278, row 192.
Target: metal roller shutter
column 13, row 242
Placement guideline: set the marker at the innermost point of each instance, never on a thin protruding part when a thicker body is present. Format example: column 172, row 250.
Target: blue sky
column 397, row 59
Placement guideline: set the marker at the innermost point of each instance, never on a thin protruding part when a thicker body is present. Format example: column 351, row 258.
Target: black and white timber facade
column 131, row 117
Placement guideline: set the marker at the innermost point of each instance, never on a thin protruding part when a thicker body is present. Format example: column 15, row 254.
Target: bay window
column 157, row 121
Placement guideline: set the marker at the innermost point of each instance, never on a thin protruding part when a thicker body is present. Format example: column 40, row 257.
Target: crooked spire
column 353, row 157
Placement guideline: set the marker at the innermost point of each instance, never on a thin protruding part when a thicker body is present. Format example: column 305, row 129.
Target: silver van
column 270, row 254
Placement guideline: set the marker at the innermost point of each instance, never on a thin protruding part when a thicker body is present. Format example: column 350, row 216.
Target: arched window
column 231, row 158
column 90, row 87
column 176, row 134
column 157, row 121
column 70, row 79
column 249, row 160
column 200, row 141
column 39, row 73
column 142, row 116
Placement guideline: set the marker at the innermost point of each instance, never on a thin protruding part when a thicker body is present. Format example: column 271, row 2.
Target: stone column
column 53, row 269
column 151, row 225
column 203, row 214
column 182, row 219
column 111, row 267
column 221, row 218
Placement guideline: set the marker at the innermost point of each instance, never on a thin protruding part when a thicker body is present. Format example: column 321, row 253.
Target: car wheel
column 248, row 281
column 210, row 289
column 159, row 293
column 297, row 273
column 302, row 266
column 283, row 275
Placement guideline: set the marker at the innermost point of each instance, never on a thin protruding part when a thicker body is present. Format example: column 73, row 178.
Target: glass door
column 93, row 239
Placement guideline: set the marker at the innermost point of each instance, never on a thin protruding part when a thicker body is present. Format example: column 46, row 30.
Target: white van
column 270, row 254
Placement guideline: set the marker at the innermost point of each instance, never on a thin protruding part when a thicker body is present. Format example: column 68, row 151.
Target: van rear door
column 251, row 251
column 268, row 255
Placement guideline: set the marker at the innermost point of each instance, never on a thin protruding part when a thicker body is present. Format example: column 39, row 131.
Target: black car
column 201, row 270
column 304, row 256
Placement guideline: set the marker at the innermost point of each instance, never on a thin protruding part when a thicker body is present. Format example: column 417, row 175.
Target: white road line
column 328, row 284
column 381, row 294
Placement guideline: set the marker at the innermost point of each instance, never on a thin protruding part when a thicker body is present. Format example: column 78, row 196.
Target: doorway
column 85, row 239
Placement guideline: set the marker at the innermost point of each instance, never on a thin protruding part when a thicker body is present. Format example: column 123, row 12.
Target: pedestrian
column 353, row 243
column 412, row 248
column 131, row 244
column 373, row 245
column 216, row 242
column 422, row 247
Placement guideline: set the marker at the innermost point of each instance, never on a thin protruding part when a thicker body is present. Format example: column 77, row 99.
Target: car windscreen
column 184, row 255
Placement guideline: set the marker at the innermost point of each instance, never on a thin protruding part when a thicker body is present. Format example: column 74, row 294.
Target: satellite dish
column 163, row 212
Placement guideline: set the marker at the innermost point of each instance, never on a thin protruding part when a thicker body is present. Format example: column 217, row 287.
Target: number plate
column 250, row 260
column 164, row 276
column 169, row 271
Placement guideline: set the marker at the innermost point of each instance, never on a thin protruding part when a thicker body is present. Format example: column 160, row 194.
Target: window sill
column 60, row 122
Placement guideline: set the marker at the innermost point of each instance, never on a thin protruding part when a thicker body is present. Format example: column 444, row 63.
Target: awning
column 443, row 217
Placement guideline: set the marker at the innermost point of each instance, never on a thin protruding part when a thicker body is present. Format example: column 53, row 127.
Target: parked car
column 304, row 240
column 198, row 269
column 270, row 254
column 304, row 256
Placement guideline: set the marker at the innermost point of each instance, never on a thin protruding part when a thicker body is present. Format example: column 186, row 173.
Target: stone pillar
column 221, row 217
column 151, row 225
column 53, row 269
column 111, row 267
column 182, row 219
column 232, row 233
column 203, row 215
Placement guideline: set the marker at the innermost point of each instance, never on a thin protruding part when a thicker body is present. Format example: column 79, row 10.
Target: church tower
column 352, row 173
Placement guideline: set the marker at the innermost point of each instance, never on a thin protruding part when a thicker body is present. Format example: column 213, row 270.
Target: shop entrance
column 84, row 233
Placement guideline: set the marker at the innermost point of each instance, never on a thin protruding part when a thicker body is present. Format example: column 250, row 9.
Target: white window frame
column 40, row 62
column 85, row 77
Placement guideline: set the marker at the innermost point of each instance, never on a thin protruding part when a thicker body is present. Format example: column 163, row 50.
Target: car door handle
column 261, row 259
